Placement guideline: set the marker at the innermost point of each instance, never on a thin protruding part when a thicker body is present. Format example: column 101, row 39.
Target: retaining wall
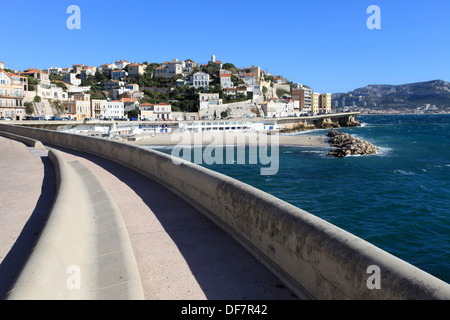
column 312, row 257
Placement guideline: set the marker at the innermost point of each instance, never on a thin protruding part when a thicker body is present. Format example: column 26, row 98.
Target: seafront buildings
column 113, row 91
column 12, row 93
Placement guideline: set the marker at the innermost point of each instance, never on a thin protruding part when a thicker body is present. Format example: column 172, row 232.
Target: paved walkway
column 180, row 253
column 27, row 189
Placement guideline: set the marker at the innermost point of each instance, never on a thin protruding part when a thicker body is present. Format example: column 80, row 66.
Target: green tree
column 229, row 66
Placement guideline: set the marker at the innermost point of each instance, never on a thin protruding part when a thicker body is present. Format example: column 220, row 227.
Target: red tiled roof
column 12, row 74
column 129, row 99
column 163, row 104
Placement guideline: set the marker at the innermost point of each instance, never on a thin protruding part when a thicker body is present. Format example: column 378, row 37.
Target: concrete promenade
column 180, row 254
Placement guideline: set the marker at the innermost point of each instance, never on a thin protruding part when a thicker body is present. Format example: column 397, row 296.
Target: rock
column 346, row 145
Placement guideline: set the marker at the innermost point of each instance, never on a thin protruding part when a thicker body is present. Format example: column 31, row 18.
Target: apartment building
column 97, row 108
column 158, row 112
column 136, row 69
column 51, row 91
column 315, row 97
column 209, row 100
column 163, row 111
column 12, row 93
column 113, row 109
column 79, row 106
column 325, row 103
column 303, row 94
column 170, row 69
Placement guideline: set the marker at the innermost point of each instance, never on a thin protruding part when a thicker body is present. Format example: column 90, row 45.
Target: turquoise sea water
column 399, row 199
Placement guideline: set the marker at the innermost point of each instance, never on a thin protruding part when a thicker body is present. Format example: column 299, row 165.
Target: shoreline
column 230, row 138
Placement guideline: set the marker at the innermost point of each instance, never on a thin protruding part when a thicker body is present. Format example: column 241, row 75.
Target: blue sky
column 323, row 43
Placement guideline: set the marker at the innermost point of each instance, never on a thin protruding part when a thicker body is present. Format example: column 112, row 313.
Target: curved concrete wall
column 83, row 251
column 28, row 141
column 313, row 257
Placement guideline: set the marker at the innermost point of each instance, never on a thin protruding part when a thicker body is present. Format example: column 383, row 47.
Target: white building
column 121, row 64
column 113, row 109
column 118, row 74
column 51, row 91
column 189, row 67
column 156, row 112
column 87, row 72
column 280, row 108
column 107, row 67
column 132, row 90
column 163, row 111
column 249, row 79
column 200, row 80
column 54, row 71
column 170, row 69
column 209, row 100
column 72, row 79
column 225, row 80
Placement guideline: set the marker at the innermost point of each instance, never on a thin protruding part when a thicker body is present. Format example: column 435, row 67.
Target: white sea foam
column 300, row 133
column 404, row 172
column 383, row 151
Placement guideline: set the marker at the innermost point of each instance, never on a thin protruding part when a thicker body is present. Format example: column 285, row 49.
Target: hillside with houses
column 170, row 90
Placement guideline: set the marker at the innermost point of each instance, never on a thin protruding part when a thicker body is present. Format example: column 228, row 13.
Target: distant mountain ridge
column 435, row 92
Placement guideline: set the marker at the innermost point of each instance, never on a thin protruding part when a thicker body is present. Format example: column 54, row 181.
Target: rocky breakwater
column 347, row 145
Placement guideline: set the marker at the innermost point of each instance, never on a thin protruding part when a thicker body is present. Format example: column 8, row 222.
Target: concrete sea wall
column 314, row 258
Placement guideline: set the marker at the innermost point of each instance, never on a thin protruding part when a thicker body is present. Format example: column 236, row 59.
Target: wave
column 299, row 133
column 157, row 147
column 383, row 151
column 404, row 172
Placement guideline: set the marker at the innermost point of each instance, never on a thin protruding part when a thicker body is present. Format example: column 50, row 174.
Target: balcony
column 13, row 96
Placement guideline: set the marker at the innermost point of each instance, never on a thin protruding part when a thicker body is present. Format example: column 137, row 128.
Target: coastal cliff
column 347, row 145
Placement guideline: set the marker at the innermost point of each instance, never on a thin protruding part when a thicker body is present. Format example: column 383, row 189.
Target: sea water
column 398, row 199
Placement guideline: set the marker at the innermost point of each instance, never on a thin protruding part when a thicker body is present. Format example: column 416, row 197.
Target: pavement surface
column 181, row 255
